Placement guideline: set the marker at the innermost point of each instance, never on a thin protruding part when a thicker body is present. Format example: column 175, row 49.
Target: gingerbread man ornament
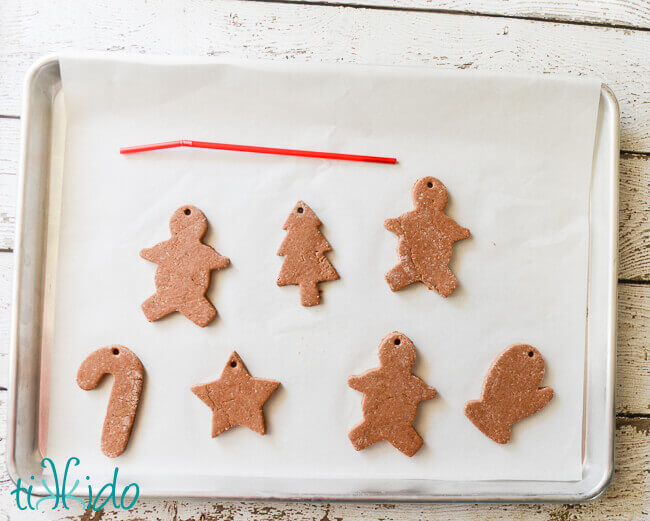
column 426, row 237
column 184, row 266
column 391, row 394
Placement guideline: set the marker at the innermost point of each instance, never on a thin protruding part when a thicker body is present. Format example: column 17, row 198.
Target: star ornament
column 236, row 398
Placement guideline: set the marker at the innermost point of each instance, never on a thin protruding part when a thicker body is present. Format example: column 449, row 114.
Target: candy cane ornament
column 128, row 374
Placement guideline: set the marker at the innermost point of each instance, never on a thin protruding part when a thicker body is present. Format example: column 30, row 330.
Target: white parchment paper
column 515, row 154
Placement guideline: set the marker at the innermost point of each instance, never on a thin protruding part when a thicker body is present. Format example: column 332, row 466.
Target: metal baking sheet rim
column 23, row 457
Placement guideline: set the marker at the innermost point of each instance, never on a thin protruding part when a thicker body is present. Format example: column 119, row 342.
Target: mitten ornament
column 511, row 392
column 426, row 236
column 184, row 266
column 391, row 395
column 304, row 250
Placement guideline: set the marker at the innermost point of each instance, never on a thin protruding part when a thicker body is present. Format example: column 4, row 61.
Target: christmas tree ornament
column 304, row 249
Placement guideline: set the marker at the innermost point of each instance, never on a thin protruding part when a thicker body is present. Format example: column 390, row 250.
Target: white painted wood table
column 609, row 39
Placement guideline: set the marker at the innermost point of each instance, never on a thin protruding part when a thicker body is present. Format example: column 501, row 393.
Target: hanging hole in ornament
column 116, row 351
column 188, row 211
column 233, row 364
column 300, row 210
column 397, row 341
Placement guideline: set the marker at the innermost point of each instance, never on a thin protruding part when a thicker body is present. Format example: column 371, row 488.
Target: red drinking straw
column 257, row 150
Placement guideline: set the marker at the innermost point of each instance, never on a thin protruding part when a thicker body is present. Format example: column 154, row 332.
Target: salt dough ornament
column 391, row 394
column 184, row 266
column 510, row 392
column 426, row 237
column 236, row 398
column 304, row 250
column 128, row 376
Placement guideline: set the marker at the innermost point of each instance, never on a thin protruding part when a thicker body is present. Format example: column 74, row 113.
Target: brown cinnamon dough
column 184, row 266
column 510, row 392
column 304, row 250
column 128, row 375
column 426, row 236
column 391, row 395
column 236, row 398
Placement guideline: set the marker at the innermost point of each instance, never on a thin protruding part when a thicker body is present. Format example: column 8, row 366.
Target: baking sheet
column 515, row 154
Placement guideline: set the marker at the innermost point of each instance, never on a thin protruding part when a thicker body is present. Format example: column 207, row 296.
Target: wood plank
column 628, row 498
column 6, row 283
column 634, row 217
column 9, row 145
column 633, row 362
column 618, row 13
column 7, row 212
column 621, row 57
column 9, row 154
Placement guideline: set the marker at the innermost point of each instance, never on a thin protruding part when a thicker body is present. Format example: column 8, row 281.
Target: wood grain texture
column 9, row 145
column 626, row 13
column 272, row 31
column 9, row 154
column 7, row 212
column 446, row 37
column 628, row 498
column 633, row 360
column 6, row 275
column 634, row 217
